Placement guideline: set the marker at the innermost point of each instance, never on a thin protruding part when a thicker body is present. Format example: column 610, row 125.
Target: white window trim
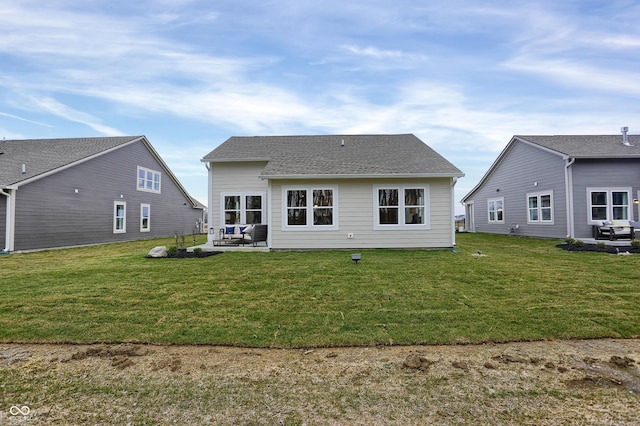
column 145, row 189
column 503, row 211
column 540, row 221
column 609, row 190
column 310, row 226
column 142, row 228
column 401, row 225
column 115, row 217
column 243, row 205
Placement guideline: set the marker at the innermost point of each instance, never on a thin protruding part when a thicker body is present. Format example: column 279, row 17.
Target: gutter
column 365, row 176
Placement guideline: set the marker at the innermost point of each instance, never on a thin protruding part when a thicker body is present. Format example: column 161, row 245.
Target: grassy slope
column 524, row 289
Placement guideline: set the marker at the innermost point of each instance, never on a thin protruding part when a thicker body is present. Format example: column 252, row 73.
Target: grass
column 524, row 289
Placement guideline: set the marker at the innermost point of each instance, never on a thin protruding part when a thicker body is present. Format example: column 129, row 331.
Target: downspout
column 212, row 229
column 568, row 181
column 10, row 221
column 454, row 180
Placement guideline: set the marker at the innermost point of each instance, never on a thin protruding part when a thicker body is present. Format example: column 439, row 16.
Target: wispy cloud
column 15, row 117
column 60, row 110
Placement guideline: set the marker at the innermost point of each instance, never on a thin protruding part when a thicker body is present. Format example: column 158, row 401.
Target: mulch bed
column 606, row 249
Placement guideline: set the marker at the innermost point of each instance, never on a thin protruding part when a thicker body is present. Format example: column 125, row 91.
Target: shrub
column 601, row 245
column 197, row 252
column 579, row 243
column 635, row 242
column 172, row 251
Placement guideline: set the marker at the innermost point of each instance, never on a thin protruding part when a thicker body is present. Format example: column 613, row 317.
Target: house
column 334, row 191
column 557, row 186
column 69, row 192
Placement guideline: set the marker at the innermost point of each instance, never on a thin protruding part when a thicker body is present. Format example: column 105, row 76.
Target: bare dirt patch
column 556, row 382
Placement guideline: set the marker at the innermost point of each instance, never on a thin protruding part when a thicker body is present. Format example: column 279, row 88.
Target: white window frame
column 143, row 183
column 496, row 210
column 539, row 208
column 401, row 208
column 142, row 217
column 609, row 212
column 117, row 230
column 310, row 209
column 243, row 206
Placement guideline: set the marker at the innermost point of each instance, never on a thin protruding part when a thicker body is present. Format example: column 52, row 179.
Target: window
column 496, row 210
column 232, row 209
column 310, row 208
column 253, row 209
column 404, row 206
column 607, row 204
column 242, row 208
column 148, row 180
column 119, row 217
column 540, row 208
column 145, row 216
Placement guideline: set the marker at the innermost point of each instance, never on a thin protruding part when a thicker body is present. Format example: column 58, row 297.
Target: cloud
column 15, row 117
column 374, row 52
column 60, row 110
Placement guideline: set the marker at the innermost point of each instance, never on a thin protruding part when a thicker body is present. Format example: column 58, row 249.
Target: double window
column 148, row 180
column 607, row 204
column 119, row 217
column 310, row 208
column 495, row 207
column 242, row 208
column 403, row 206
column 540, row 207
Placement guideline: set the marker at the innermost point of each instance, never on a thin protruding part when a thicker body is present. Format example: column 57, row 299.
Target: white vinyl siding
column 356, row 217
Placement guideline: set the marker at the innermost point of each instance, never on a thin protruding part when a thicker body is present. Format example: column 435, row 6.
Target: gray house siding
column 50, row 213
column 523, row 171
column 601, row 173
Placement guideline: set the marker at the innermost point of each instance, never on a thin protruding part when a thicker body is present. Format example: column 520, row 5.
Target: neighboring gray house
column 334, row 191
column 557, row 186
column 68, row 192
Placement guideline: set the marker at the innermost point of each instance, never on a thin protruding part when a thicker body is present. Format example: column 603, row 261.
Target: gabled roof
column 588, row 146
column 42, row 157
column 571, row 146
column 336, row 156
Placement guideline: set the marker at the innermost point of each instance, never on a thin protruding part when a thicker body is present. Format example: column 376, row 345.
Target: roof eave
column 234, row 160
column 363, row 176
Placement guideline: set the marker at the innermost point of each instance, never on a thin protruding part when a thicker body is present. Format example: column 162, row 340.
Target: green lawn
column 524, row 289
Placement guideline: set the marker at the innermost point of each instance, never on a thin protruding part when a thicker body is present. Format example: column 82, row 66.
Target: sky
column 462, row 75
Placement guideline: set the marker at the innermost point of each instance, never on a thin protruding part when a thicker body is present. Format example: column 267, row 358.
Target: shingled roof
column 336, row 155
column 588, row 146
column 41, row 156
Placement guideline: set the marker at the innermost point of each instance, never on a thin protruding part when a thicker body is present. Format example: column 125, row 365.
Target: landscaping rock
column 159, row 251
